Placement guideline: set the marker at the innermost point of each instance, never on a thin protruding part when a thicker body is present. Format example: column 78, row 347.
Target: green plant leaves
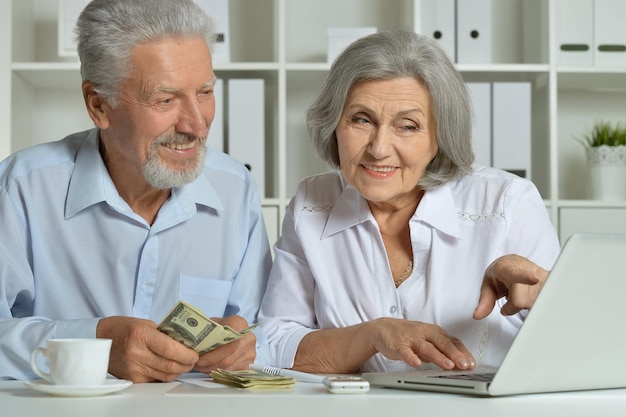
column 604, row 133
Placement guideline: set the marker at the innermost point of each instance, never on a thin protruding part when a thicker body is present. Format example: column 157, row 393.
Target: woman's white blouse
column 331, row 270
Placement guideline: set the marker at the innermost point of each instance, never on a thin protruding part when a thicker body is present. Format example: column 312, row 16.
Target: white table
column 176, row 399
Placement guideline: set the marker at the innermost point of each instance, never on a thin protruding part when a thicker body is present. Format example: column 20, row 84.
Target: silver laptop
column 574, row 337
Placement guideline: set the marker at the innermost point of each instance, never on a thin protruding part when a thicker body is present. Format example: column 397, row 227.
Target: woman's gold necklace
column 405, row 274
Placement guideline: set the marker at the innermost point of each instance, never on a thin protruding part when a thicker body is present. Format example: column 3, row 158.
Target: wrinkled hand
column 238, row 354
column 416, row 343
column 514, row 277
column 142, row 353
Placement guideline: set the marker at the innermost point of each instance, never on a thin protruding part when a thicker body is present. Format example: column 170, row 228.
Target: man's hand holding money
column 226, row 343
column 237, row 354
column 141, row 353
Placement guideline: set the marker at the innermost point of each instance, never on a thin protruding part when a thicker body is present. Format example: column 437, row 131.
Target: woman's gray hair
column 391, row 55
column 108, row 30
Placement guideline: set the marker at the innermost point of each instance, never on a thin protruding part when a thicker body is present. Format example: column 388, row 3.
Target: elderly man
column 104, row 231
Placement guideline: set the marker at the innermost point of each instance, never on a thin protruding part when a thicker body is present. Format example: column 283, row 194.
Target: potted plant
column 605, row 146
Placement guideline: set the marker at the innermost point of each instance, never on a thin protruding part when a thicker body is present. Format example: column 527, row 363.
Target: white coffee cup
column 81, row 362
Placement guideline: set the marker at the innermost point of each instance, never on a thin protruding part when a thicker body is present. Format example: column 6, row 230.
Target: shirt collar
column 91, row 184
column 87, row 180
column 349, row 210
column 200, row 191
column 437, row 209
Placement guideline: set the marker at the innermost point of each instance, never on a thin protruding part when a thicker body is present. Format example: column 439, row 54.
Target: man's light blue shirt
column 72, row 251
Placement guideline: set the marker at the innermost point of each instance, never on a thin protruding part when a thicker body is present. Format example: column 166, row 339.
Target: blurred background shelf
column 284, row 42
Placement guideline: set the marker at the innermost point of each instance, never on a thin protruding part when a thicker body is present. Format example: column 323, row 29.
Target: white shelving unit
column 284, row 42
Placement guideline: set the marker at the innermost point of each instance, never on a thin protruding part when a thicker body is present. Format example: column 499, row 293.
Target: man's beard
column 159, row 175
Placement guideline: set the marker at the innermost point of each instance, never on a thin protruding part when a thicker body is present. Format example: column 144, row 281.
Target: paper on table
column 205, row 382
column 199, row 386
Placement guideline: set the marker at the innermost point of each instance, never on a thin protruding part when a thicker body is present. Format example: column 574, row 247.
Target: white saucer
column 109, row 385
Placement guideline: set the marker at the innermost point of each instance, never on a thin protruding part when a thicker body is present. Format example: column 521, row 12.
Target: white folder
column 69, row 10
column 481, row 130
column 339, row 38
column 216, row 132
column 575, row 32
column 609, row 32
column 218, row 12
column 511, row 118
column 437, row 20
column 246, row 126
column 474, row 32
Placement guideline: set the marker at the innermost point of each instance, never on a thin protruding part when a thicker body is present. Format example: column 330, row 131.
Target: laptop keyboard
column 470, row 377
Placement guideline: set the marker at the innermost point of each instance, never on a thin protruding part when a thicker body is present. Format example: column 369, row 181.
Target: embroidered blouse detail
column 317, row 209
column 480, row 218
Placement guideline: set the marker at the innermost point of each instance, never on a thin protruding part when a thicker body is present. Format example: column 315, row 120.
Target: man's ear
column 97, row 106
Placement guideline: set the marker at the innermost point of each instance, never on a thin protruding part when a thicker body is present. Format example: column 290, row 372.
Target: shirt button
column 143, row 287
column 393, row 310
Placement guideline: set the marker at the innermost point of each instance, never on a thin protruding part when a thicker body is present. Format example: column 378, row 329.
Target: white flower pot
column 607, row 168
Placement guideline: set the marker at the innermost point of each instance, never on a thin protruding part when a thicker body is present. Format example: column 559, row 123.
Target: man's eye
column 204, row 95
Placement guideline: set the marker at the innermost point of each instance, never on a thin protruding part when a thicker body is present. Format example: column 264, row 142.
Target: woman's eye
column 360, row 119
column 408, row 125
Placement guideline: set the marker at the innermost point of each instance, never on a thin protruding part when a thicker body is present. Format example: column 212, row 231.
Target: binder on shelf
column 574, row 32
column 480, row 93
column 216, row 131
column 340, row 38
column 437, row 20
column 609, row 32
column 69, row 10
column 218, row 12
column 511, row 127
column 474, row 32
column 246, row 126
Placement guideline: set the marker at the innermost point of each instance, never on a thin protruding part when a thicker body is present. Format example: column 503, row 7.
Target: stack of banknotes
column 193, row 329
column 248, row 378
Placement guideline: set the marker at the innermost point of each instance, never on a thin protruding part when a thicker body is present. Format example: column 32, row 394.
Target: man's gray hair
column 108, row 30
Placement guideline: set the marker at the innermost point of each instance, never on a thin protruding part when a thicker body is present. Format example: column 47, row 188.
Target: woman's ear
column 97, row 106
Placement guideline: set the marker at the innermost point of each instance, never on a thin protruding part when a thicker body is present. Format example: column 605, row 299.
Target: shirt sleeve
column 251, row 280
column 288, row 312
column 22, row 331
column 530, row 230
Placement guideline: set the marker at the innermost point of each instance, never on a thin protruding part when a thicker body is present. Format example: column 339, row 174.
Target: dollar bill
column 248, row 378
column 192, row 328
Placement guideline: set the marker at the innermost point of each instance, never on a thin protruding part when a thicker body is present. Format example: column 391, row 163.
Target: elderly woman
column 397, row 258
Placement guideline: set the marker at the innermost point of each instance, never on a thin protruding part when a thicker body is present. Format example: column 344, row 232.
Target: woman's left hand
column 514, row 277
